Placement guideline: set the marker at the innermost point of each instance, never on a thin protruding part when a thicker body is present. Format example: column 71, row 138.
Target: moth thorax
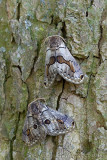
column 55, row 42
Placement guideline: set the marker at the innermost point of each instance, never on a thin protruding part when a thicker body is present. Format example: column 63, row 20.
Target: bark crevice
column 18, row 11
column 13, row 139
column 59, row 97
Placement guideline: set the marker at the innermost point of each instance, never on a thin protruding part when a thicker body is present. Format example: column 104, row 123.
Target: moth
column 41, row 121
column 60, row 61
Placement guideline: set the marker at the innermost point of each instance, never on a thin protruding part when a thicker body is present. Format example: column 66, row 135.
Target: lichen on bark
column 23, row 27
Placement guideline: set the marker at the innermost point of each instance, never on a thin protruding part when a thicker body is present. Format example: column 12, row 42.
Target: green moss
column 9, row 125
column 97, row 83
column 6, row 36
column 86, row 146
column 23, row 102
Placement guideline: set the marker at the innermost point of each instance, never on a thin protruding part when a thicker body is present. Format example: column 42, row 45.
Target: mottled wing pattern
column 67, row 66
column 50, row 67
column 60, row 61
column 33, row 130
column 42, row 120
column 57, row 123
column 52, row 44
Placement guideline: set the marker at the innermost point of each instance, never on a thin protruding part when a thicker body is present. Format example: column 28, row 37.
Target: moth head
column 36, row 107
column 33, row 108
column 54, row 41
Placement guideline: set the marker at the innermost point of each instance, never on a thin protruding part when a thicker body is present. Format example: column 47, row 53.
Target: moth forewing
column 50, row 68
column 60, row 61
column 61, row 123
column 68, row 67
column 47, row 122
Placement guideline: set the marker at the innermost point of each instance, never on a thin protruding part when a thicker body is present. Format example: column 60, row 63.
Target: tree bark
column 23, row 27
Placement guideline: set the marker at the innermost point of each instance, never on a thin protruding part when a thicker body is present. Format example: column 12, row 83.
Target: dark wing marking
column 42, row 120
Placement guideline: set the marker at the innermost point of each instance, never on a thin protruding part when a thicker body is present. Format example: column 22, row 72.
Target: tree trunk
column 24, row 25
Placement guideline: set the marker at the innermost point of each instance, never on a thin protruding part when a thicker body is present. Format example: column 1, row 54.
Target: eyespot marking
column 47, row 121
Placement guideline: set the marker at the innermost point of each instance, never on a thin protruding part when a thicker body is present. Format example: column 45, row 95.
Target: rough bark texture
column 24, row 24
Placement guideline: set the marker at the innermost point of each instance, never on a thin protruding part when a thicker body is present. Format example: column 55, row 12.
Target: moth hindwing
column 41, row 120
column 60, row 61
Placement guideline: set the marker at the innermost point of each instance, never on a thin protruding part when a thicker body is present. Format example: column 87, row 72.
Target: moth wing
column 65, row 122
column 33, row 130
column 42, row 120
column 50, row 68
column 57, row 123
column 25, row 138
column 67, row 66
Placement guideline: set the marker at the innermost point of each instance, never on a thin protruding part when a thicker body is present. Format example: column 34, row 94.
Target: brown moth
column 60, row 61
column 42, row 120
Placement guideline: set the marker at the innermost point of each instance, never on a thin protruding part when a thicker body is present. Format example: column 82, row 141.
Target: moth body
column 47, row 122
column 60, row 61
